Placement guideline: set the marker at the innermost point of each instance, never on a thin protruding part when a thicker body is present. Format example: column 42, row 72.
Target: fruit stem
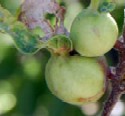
column 108, row 0
column 57, row 54
column 94, row 4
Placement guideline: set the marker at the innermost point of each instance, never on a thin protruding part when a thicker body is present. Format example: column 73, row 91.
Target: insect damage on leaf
column 33, row 15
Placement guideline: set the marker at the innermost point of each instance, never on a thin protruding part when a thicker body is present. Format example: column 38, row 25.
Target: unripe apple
column 93, row 33
column 76, row 79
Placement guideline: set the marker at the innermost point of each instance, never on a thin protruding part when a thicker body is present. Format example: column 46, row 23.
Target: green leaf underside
column 24, row 40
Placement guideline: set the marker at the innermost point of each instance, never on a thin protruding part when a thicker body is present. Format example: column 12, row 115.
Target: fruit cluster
column 74, row 78
column 81, row 78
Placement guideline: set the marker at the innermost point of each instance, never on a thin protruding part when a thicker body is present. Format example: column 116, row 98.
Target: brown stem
column 113, row 98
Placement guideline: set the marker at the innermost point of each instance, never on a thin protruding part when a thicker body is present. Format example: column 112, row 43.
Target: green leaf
column 25, row 40
column 107, row 7
column 6, row 20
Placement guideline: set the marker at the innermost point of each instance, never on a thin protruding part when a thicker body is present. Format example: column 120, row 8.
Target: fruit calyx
column 59, row 44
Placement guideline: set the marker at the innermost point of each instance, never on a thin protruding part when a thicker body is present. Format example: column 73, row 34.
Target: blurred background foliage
column 23, row 90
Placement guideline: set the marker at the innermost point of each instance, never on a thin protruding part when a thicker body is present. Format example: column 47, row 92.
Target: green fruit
column 75, row 79
column 93, row 33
